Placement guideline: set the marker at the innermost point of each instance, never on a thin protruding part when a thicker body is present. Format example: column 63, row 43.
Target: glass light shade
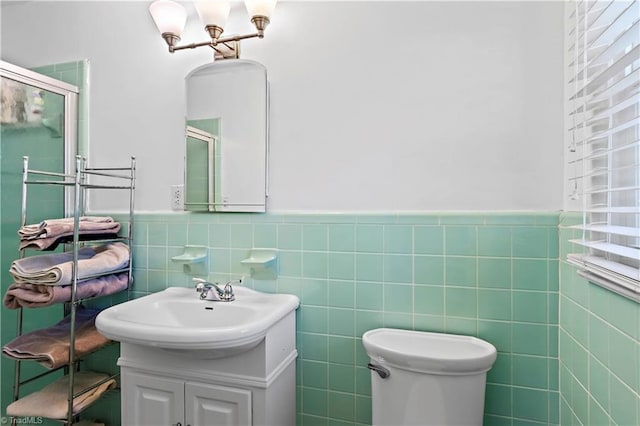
column 169, row 16
column 260, row 7
column 213, row 12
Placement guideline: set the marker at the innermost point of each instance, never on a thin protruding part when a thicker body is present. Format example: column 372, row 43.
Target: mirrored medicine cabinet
column 226, row 149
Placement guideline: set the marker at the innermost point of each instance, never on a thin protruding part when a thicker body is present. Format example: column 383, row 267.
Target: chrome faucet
column 213, row 292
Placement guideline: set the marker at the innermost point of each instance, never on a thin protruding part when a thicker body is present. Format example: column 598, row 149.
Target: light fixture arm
column 225, row 47
column 213, row 42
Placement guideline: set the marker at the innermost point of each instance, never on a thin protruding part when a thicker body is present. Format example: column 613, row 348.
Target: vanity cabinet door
column 217, row 405
column 152, row 400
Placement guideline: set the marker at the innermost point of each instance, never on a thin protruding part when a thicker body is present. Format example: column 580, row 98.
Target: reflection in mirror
column 199, row 182
column 227, row 137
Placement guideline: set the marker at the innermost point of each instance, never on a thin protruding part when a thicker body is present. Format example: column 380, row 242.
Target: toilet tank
column 423, row 378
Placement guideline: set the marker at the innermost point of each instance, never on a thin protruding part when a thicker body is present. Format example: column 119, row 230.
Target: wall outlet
column 177, row 197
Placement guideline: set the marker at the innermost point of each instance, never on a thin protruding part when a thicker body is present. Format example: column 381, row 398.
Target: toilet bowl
column 427, row 379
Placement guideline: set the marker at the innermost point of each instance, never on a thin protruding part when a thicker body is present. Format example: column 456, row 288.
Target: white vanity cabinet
column 155, row 401
column 256, row 387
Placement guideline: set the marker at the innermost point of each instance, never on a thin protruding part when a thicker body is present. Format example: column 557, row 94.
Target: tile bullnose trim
column 439, row 218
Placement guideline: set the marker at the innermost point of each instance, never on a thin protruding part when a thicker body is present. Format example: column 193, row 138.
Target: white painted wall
column 375, row 106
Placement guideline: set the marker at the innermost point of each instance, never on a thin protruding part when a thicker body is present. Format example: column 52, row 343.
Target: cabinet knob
column 177, row 424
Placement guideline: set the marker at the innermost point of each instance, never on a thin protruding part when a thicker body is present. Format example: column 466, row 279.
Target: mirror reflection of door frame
column 70, row 113
column 210, row 140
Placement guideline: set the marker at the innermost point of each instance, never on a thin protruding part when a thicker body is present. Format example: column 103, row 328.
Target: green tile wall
column 568, row 351
column 490, row 275
column 599, row 348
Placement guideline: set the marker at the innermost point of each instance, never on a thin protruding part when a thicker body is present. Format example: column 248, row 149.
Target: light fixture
column 170, row 18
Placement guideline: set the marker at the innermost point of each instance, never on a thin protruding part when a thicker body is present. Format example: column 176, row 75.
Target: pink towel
column 36, row 296
column 51, row 401
column 48, row 234
column 53, row 242
column 53, row 227
column 50, row 346
column 57, row 268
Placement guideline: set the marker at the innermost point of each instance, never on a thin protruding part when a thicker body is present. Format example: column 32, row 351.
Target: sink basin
column 177, row 320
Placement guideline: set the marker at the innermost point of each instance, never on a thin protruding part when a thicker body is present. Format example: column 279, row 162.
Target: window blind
column 604, row 144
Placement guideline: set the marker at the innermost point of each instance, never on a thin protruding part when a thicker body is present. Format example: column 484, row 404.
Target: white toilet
column 427, row 379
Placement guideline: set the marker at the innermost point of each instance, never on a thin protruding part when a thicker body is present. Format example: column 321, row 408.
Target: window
column 604, row 148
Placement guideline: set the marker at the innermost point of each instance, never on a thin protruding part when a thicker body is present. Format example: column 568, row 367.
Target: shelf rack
column 77, row 184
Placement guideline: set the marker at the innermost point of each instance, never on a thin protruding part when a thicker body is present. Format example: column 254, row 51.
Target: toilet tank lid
column 435, row 353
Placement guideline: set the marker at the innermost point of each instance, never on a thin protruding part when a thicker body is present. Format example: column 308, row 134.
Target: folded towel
column 47, row 234
column 51, row 401
column 57, row 268
column 50, row 346
column 36, row 296
column 52, row 227
column 51, row 243
column 39, row 264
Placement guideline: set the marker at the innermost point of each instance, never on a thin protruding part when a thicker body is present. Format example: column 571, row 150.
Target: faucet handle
column 200, row 284
column 228, row 284
column 228, row 289
column 238, row 281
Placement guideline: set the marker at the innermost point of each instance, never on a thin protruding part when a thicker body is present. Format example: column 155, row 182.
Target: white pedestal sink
column 193, row 362
column 177, row 319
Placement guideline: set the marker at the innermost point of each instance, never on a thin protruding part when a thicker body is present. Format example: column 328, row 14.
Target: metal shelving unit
column 77, row 185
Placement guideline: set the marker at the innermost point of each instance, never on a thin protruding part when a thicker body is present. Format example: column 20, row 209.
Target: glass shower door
column 31, row 124
column 37, row 119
